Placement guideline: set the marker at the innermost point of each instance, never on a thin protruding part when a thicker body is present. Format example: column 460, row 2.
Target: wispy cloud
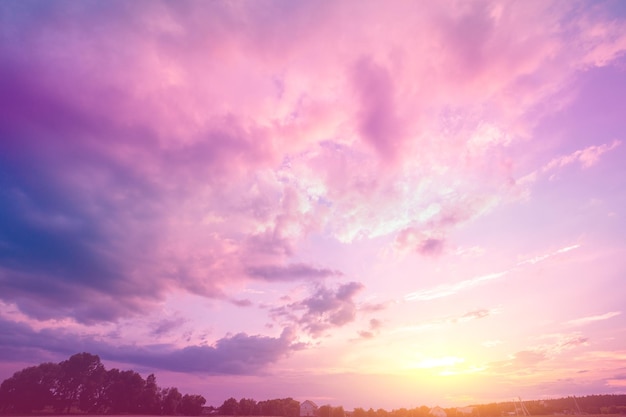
column 551, row 348
column 616, row 383
column 445, row 290
column 610, row 355
column 590, row 319
column 448, row 320
column 586, row 157
column 491, row 343
column 543, row 257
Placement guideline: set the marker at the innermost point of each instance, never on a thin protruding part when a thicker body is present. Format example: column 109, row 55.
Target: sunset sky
column 360, row 203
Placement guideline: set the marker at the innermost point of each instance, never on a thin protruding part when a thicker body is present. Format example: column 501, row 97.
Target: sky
column 360, row 203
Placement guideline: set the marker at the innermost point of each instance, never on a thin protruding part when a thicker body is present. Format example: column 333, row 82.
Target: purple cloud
column 289, row 272
column 325, row 309
column 378, row 123
column 431, row 246
column 165, row 326
column 240, row 354
column 199, row 159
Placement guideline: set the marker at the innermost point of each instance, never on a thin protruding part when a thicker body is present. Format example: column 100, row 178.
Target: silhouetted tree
column 338, row 412
column 230, row 407
column 30, row 389
column 291, row 407
column 286, row 407
column 150, row 400
column 423, row 411
column 325, row 411
column 82, row 384
column 247, row 407
column 400, row 412
column 170, row 398
column 191, row 405
column 79, row 378
column 122, row 392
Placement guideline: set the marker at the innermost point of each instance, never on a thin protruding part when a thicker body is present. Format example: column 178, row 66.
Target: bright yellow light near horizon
column 431, row 370
column 445, row 371
column 445, row 380
column 469, row 370
column 446, row 361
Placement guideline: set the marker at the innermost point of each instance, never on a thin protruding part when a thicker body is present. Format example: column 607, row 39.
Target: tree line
column 280, row 407
column 591, row 404
column 81, row 384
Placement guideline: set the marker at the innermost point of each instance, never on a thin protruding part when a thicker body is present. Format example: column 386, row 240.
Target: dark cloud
column 20, row 343
column 269, row 243
column 326, row 308
column 239, row 354
column 347, row 291
column 241, row 302
column 290, row 272
column 63, row 237
column 165, row 326
column 87, row 183
column 81, row 226
column 83, row 229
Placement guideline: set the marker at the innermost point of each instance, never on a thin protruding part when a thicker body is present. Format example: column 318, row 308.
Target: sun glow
column 446, row 361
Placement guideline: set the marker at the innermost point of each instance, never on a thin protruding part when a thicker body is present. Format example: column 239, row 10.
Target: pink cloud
column 377, row 122
column 586, row 157
column 187, row 145
column 590, row 319
column 203, row 175
column 325, row 309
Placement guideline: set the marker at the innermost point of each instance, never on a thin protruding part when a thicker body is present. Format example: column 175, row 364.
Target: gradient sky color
column 360, row 203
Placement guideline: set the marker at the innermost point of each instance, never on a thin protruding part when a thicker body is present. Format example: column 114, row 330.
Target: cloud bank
column 240, row 354
column 141, row 153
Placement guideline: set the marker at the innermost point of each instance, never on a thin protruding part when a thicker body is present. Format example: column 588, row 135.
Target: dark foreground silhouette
column 81, row 384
